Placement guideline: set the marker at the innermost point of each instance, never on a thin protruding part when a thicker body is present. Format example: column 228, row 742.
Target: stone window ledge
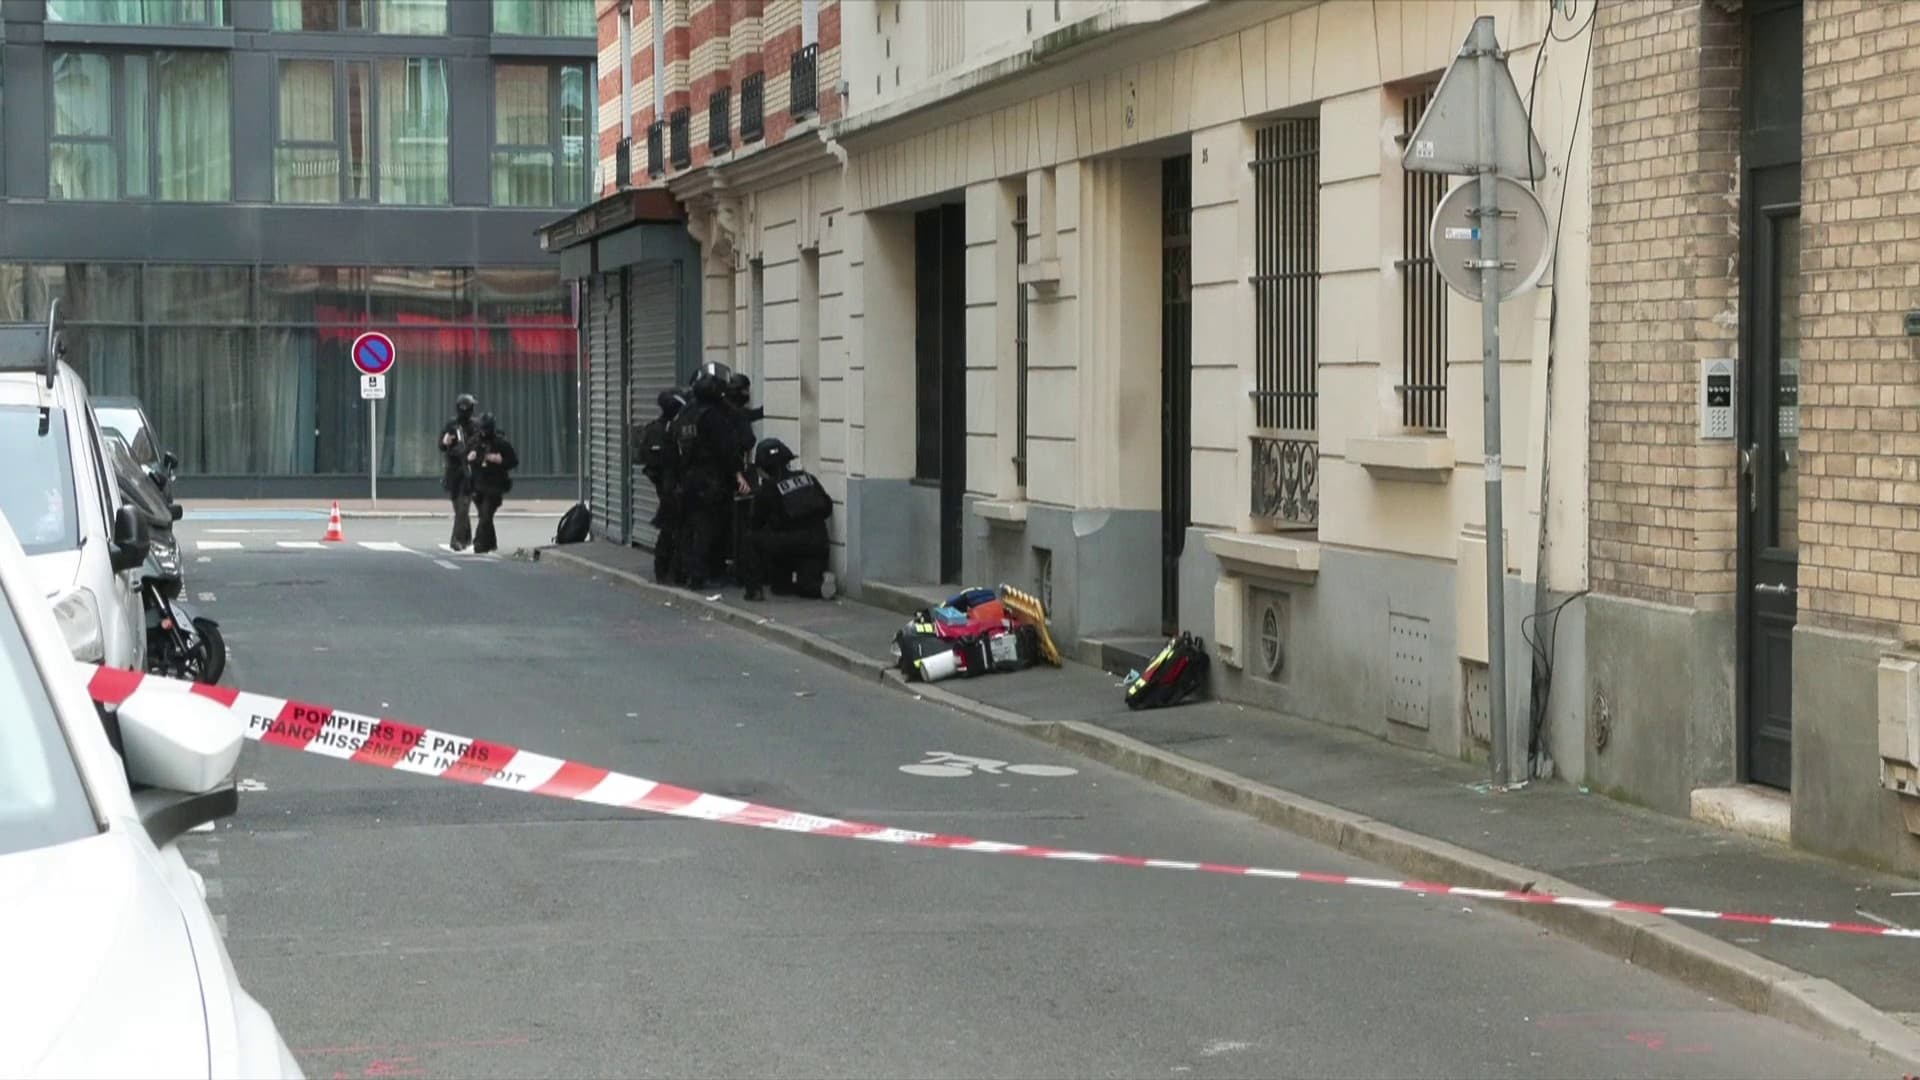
column 1001, row 511
column 1418, row 459
column 1267, row 556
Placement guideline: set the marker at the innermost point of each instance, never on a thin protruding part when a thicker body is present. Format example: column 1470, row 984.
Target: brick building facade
column 711, row 81
column 1755, row 203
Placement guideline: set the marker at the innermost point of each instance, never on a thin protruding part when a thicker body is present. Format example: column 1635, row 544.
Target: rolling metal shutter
column 606, row 419
column 653, row 294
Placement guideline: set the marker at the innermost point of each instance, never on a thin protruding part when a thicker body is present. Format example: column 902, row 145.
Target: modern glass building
column 223, row 193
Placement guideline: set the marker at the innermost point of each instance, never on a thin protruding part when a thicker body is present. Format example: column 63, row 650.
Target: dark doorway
column 940, row 369
column 1176, row 379
column 1770, row 390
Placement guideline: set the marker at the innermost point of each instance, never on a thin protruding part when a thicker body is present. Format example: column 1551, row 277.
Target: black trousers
column 666, row 543
column 487, row 503
column 785, row 558
column 700, row 524
column 462, row 524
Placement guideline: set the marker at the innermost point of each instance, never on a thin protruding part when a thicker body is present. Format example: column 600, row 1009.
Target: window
column 544, row 18
column 363, row 131
column 139, row 12
column 378, row 16
column 1287, row 274
column 43, row 801
column 753, row 104
column 141, row 126
column 1423, row 295
column 718, row 122
column 540, row 135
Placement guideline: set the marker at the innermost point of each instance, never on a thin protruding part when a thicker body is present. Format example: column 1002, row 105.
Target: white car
column 86, row 544
column 113, row 966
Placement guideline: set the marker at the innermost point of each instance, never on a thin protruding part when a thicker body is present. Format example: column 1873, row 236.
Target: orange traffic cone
column 334, row 535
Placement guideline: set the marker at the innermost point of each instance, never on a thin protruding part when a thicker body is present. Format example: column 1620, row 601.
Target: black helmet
column 464, row 404
column 739, row 388
column 710, row 382
column 486, row 423
column 771, row 455
column 670, row 403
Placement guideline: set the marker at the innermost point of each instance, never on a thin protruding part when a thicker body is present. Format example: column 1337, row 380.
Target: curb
column 1660, row 945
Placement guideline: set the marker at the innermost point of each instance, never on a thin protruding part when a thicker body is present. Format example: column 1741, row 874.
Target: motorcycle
column 181, row 642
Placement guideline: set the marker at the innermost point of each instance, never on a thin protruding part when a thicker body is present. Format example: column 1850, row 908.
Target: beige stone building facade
column 1132, row 304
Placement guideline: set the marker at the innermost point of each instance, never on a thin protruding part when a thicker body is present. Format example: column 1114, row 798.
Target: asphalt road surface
column 402, row 926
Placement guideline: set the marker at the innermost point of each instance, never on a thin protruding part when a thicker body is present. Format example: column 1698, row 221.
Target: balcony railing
column 806, row 81
column 753, row 107
column 623, row 164
column 1286, row 481
column 656, row 149
column 719, row 119
column 680, row 138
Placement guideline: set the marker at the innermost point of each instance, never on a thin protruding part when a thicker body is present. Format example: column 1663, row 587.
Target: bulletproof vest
column 802, row 498
column 657, row 449
column 684, row 432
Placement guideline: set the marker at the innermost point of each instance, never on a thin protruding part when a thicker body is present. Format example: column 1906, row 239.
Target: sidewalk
column 207, row 509
column 1431, row 818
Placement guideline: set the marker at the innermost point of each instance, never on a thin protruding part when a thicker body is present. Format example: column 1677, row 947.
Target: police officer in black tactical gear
column 706, row 437
column 745, row 413
column 456, row 478
column 659, row 460
column 492, row 459
column 786, row 545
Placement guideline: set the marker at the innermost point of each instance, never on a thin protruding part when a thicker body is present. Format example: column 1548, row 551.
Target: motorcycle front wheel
column 212, row 652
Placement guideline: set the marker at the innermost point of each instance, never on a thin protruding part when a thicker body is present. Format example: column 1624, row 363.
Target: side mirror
column 130, row 539
column 183, row 748
column 176, row 510
column 180, row 742
column 169, row 462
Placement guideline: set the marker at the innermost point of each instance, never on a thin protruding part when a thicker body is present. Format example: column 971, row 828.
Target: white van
column 86, row 546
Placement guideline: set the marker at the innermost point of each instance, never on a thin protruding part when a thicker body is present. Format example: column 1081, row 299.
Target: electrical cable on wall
column 1542, row 644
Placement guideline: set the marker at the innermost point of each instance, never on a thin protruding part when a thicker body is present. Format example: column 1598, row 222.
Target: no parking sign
column 373, row 356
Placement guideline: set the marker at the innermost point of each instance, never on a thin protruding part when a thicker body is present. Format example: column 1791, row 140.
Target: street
column 402, row 926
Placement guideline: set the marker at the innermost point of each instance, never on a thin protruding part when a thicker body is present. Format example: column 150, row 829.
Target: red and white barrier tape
column 390, row 744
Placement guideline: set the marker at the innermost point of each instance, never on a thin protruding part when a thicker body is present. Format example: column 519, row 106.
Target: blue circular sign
column 373, row 352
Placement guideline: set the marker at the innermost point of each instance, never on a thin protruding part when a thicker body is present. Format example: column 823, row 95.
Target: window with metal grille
column 679, row 138
column 719, row 119
column 1423, row 295
column 1020, row 344
column 1287, row 274
column 656, row 149
column 753, row 107
column 806, row 81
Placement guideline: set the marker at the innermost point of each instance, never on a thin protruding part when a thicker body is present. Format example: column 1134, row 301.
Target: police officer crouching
column 786, row 543
column 492, row 459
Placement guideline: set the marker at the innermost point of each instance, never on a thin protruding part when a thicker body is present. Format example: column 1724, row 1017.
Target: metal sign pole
column 373, row 436
column 1486, row 56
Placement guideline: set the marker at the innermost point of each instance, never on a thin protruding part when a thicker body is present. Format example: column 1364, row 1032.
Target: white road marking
column 443, row 562
column 218, row 545
column 204, row 558
column 300, row 545
column 250, row 784
column 385, row 545
column 206, row 598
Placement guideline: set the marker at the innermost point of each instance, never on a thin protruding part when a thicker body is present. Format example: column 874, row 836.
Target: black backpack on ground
column 1172, row 677
column 575, row 524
